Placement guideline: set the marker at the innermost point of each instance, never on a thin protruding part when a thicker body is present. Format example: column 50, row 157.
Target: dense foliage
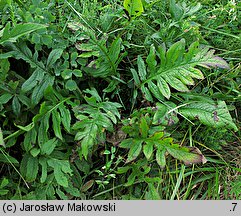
column 133, row 99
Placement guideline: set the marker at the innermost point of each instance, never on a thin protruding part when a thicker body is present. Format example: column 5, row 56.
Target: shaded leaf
column 65, row 117
column 61, row 169
column 16, row 106
column 33, row 80
column 56, row 124
column 71, row 85
column 152, row 193
column 5, row 98
column 29, row 167
column 38, row 91
column 136, row 77
column 135, row 150
column 87, row 185
column 43, row 163
column 48, row 147
column 144, row 128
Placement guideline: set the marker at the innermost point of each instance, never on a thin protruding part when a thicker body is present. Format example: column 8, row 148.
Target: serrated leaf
column 88, row 137
column 211, row 114
column 127, row 143
column 157, row 136
column 38, row 91
column 160, row 157
column 175, row 10
column 175, row 53
column 48, row 147
column 176, row 83
column 16, row 106
column 148, row 150
column 94, row 93
column 135, row 150
column 43, row 163
column 1, row 139
column 176, row 69
column 151, row 59
column 21, row 51
column 152, row 193
column 56, row 124
column 86, row 144
column 33, row 80
column 147, row 93
column 189, row 155
column 163, row 88
column 65, row 117
column 155, row 90
column 144, row 128
column 77, row 73
column 136, row 77
column 29, row 167
column 141, row 68
column 159, row 114
column 215, row 62
column 18, row 30
column 54, row 55
column 61, row 169
column 114, row 50
column 134, row 8
column 5, row 98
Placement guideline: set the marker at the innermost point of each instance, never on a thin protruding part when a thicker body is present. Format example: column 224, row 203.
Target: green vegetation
column 133, row 99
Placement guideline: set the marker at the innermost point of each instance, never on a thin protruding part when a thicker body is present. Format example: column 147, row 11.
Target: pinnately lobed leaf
column 18, row 30
column 177, row 69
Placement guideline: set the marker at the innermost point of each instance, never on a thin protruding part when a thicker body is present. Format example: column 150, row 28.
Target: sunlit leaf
column 211, row 114
column 1, row 138
column 134, row 8
column 189, row 155
column 18, row 30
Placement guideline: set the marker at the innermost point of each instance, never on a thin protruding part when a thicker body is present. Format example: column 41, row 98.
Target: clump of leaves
column 150, row 139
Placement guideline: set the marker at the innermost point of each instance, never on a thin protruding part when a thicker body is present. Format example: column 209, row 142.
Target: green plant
column 118, row 99
column 152, row 139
